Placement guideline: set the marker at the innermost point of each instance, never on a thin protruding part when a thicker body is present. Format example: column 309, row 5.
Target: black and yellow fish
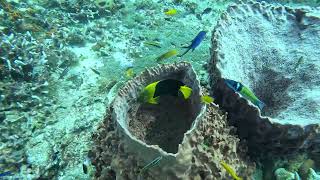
column 152, row 92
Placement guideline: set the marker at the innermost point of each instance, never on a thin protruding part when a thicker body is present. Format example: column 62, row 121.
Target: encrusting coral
column 260, row 45
column 198, row 140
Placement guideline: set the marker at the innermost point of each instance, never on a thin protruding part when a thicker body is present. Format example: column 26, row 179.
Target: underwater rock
column 2, row 116
column 33, row 154
column 180, row 139
column 304, row 168
column 104, row 3
column 273, row 51
column 313, row 175
column 283, row 174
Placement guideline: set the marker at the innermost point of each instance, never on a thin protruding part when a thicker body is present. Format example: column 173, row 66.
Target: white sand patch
column 88, row 60
column 123, row 59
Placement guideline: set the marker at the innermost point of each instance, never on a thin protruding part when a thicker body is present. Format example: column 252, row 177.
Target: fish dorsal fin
column 186, row 91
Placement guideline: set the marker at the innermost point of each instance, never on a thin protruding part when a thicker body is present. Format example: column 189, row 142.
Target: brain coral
column 192, row 138
column 273, row 50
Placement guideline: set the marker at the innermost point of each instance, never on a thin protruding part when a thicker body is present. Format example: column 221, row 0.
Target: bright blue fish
column 195, row 42
column 8, row 173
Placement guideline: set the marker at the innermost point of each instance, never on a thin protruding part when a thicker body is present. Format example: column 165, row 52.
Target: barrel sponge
column 273, row 50
column 191, row 137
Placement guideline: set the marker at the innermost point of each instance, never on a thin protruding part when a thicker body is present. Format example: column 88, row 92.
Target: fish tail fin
column 261, row 105
column 154, row 100
column 186, row 91
column 184, row 52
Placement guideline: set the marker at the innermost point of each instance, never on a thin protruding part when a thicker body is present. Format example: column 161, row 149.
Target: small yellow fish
column 152, row 43
column 186, row 91
column 170, row 12
column 207, row 99
column 230, row 171
column 167, row 55
column 129, row 73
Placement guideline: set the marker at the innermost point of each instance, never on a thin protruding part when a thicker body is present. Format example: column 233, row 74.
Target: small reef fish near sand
column 152, row 43
column 151, row 164
column 170, row 12
column 95, row 71
column 152, row 92
column 244, row 91
column 230, row 171
column 195, row 42
column 129, row 72
column 299, row 62
column 86, row 166
column 64, row 72
column 167, row 55
column 207, row 99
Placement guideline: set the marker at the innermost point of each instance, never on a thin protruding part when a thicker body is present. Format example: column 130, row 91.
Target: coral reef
column 61, row 65
column 262, row 56
column 283, row 174
column 313, row 175
column 35, row 63
column 304, row 168
column 134, row 134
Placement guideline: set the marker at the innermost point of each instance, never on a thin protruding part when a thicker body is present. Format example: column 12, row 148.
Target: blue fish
column 8, row 173
column 245, row 92
column 195, row 42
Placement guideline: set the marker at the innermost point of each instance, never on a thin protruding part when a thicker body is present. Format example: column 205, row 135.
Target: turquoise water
column 62, row 63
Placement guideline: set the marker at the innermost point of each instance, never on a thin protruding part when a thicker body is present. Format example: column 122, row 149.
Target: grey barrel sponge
column 274, row 51
column 190, row 137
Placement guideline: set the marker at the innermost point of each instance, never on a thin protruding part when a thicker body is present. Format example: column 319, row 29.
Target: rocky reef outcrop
column 274, row 51
column 189, row 139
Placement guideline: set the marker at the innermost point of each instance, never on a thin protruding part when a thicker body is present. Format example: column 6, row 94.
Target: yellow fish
column 148, row 93
column 152, row 43
column 152, row 92
column 167, row 55
column 170, row 12
column 207, row 99
column 129, row 73
column 230, row 171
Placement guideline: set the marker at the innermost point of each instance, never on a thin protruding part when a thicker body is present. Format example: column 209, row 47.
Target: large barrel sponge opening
column 273, row 51
column 192, row 138
column 164, row 124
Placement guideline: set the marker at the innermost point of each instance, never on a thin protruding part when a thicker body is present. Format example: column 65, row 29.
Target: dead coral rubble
column 123, row 146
